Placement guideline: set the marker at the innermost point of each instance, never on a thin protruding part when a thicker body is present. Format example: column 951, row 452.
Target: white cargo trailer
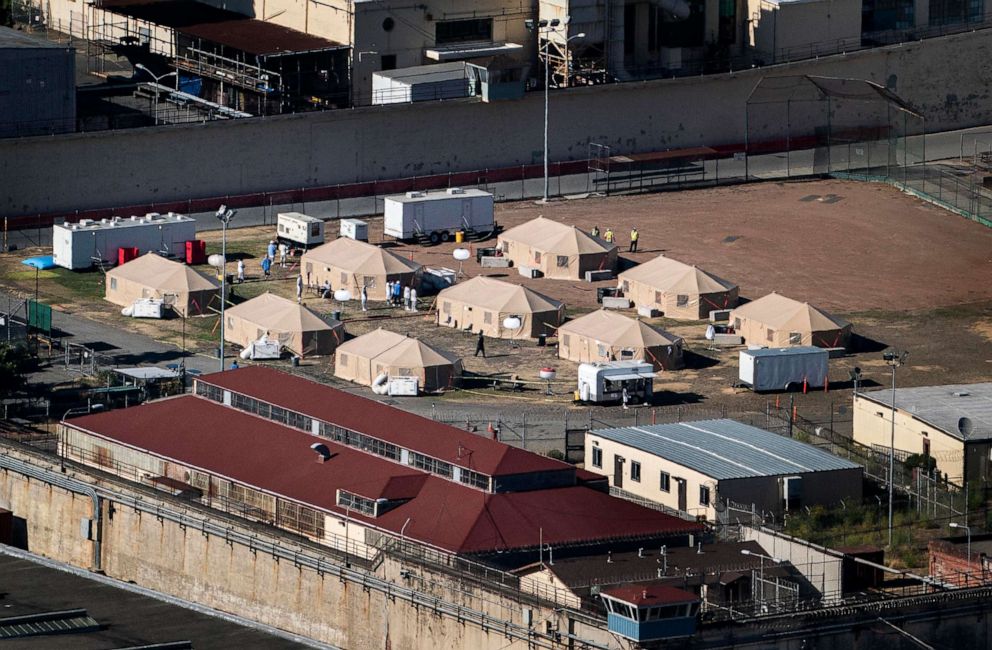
column 784, row 368
column 90, row 241
column 299, row 230
column 437, row 216
column 605, row 382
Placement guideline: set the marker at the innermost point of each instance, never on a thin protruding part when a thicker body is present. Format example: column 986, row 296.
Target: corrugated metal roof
column 726, row 449
column 944, row 406
column 245, row 448
column 388, row 423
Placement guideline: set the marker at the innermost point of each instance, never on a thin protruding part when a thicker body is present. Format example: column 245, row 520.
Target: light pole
column 761, row 568
column 894, row 359
column 967, row 531
column 225, row 215
column 548, row 27
column 158, row 79
column 60, row 444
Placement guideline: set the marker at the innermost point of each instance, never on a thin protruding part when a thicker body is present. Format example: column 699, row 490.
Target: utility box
column 355, row 229
column 604, row 382
column 437, row 216
column 147, row 308
column 196, row 251
column 299, row 230
column 85, row 243
column 783, row 368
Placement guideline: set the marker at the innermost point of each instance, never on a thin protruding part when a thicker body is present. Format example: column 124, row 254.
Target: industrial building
column 37, row 85
column 951, row 424
column 698, row 467
column 338, row 468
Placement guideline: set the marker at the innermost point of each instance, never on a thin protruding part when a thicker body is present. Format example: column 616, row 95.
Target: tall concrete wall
column 946, row 78
column 222, row 572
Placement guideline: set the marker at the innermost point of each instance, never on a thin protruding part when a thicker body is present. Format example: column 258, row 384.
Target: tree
column 7, row 13
column 15, row 361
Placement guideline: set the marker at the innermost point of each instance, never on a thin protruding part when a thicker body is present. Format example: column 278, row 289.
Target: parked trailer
column 604, row 382
column 299, row 230
column 88, row 242
column 437, row 216
column 784, row 368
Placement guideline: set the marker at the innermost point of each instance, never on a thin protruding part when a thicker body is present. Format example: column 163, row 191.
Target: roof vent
column 960, row 393
column 414, row 195
column 965, row 427
column 323, row 453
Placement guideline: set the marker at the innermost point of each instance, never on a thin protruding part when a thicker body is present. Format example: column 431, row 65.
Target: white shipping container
column 299, row 229
column 438, row 215
column 784, row 368
column 80, row 245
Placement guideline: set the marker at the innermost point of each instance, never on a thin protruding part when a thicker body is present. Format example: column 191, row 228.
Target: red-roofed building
column 358, row 488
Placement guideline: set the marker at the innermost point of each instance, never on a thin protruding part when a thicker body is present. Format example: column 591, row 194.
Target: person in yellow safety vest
column 609, row 236
column 633, row 240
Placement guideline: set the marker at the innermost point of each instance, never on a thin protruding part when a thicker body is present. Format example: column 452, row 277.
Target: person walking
column 234, row 365
column 266, row 265
column 271, row 250
column 283, row 250
column 595, row 231
column 299, row 289
column 397, row 292
column 413, row 299
column 625, row 397
column 365, row 298
column 406, row 298
column 633, row 240
column 241, row 271
column 480, row 346
column 609, row 236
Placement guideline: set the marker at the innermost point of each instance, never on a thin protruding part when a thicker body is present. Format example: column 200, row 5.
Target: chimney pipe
column 640, row 552
column 323, row 453
column 609, row 557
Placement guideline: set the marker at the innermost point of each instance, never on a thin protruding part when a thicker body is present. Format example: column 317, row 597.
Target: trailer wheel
column 791, row 387
column 445, row 236
column 435, row 238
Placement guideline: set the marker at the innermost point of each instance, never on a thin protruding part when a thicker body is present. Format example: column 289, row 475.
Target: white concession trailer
column 438, row 215
column 300, row 230
column 83, row 244
column 784, row 368
column 605, row 382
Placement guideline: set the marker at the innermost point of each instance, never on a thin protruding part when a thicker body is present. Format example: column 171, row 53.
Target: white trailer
column 437, row 216
column 90, row 241
column 604, row 382
column 784, row 368
column 299, row 230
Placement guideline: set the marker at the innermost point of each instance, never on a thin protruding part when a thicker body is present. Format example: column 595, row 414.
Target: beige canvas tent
column 678, row 290
column 364, row 358
column 556, row 249
column 298, row 329
column 609, row 336
column 350, row 264
column 484, row 304
column 153, row 276
column 777, row 321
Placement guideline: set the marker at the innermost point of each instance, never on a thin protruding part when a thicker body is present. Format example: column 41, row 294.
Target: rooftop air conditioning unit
column 414, row 195
column 455, row 190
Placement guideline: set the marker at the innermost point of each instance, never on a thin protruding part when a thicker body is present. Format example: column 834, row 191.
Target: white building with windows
column 698, row 467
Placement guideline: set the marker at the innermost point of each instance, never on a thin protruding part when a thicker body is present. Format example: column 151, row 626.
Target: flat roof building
column 700, row 467
column 951, row 424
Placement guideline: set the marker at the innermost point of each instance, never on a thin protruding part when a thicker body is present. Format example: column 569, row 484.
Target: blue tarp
column 42, row 262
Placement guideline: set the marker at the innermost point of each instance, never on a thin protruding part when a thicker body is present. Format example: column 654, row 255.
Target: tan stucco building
column 952, row 424
column 697, row 467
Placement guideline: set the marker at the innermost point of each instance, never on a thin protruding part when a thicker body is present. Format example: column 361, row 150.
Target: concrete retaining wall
column 946, row 78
